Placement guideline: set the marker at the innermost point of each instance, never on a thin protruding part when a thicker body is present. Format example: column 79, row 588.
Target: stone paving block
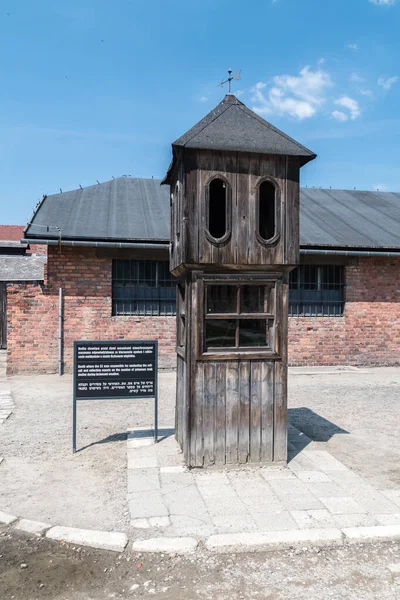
column 159, row 522
column 6, row 518
column 380, row 532
column 207, row 479
column 375, row 503
column 290, row 486
column 363, row 520
column 326, row 490
column 104, row 540
column 388, row 519
column 300, row 502
column 256, row 487
column 183, row 526
column 225, row 506
column 174, row 469
column 180, row 545
column 139, row 442
column 325, row 461
column 233, row 523
column 313, row 519
column 347, row 479
column 147, row 504
column 392, row 495
column 140, row 523
column 276, row 473
column 342, row 506
column 215, row 492
column 262, row 504
column 35, row 527
column 248, row 542
column 186, row 502
column 313, row 476
column 143, row 480
column 300, row 463
column 142, row 462
column 275, row 521
column 394, row 569
column 173, row 482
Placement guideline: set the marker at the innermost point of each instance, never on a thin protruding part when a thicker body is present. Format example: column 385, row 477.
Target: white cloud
column 383, row 2
column 339, row 116
column 366, row 93
column 353, row 47
column 203, row 99
column 382, row 187
column 355, row 78
column 387, row 83
column 298, row 96
column 351, row 105
column 238, row 93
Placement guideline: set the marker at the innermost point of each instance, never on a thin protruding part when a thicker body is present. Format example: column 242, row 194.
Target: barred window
column 316, row 291
column 143, row 287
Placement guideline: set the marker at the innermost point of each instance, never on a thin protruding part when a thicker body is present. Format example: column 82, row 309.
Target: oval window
column 266, row 210
column 217, row 225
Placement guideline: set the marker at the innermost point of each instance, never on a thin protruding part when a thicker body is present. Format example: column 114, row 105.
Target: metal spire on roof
column 234, row 77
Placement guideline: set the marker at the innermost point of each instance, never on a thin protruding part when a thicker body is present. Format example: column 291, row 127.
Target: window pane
column 252, row 299
column 142, row 287
column 217, row 208
column 253, row 332
column 221, row 299
column 317, row 290
column 220, row 333
column 266, row 215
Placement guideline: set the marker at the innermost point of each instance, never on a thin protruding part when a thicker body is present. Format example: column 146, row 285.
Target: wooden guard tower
column 234, row 181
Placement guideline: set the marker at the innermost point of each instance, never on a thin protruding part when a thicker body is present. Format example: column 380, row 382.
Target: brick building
column 18, row 262
column 109, row 254
column 108, row 249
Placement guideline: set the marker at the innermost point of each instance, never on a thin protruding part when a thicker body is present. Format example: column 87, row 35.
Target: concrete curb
column 179, row 545
column 103, row 540
column 251, row 542
column 220, row 543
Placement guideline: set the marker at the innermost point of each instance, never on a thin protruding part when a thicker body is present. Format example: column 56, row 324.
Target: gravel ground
column 40, row 477
column 355, row 415
column 62, row 572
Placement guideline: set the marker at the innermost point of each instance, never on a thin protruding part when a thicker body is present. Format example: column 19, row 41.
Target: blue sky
column 92, row 89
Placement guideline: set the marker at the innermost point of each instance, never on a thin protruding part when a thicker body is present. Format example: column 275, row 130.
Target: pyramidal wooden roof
column 232, row 126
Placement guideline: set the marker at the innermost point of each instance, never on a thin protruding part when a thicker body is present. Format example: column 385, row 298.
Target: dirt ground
column 355, row 415
column 62, row 572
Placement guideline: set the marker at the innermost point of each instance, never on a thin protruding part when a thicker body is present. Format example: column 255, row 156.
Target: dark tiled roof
column 127, row 209
column 120, row 209
column 233, row 126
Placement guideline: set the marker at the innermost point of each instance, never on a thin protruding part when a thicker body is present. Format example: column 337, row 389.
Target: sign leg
column 74, row 425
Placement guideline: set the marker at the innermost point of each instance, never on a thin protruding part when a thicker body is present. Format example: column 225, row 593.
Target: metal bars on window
column 143, row 287
column 316, row 291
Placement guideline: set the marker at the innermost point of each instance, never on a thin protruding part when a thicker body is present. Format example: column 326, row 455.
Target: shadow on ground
column 306, row 426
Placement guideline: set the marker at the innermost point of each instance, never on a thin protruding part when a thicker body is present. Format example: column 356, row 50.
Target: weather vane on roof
column 234, row 77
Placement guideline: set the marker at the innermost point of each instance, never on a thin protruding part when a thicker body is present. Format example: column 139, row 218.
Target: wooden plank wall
column 235, row 418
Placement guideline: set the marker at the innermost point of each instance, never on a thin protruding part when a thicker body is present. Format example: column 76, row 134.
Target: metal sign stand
column 106, row 381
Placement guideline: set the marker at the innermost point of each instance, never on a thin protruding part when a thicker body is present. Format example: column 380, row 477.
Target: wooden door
column 3, row 315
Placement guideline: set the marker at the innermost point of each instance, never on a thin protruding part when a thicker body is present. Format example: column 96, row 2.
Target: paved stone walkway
column 315, row 491
column 6, row 405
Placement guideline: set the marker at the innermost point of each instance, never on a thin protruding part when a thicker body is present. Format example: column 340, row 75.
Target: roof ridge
column 208, row 122
column 269, row 125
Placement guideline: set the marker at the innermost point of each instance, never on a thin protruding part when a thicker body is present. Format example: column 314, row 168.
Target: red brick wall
column 32, row 344
column 16, row 233
column 367, row 334
column 369, row 331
